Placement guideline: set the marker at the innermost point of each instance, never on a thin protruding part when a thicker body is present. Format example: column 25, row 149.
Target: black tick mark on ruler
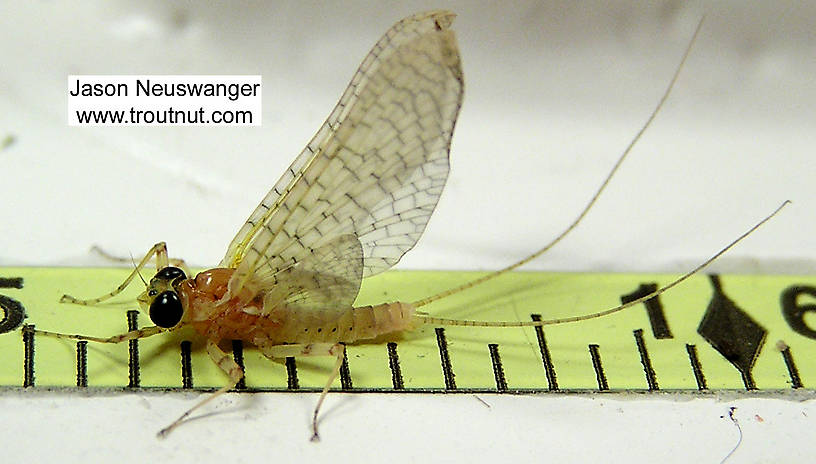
column 134, row 380
column 595, row 353
column 498, row 370
column 82, row 363
column 394, row 364
column 345, row 373
column 186, row 348
column 549, row 368
column 444, row 357
column 238, row 357
column 696, row 367
column 292, row 382
column 28, row 355
column 651, row 377
column 793, row 371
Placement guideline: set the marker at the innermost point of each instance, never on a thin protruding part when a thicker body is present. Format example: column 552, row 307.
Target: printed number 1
column 654, row 308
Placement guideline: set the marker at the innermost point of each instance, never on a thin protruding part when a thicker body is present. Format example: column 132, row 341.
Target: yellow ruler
column 711, row 333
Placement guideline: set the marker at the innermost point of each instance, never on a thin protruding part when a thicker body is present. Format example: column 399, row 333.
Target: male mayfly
column 356, row 199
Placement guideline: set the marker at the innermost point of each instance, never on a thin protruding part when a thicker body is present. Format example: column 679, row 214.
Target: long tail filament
column 424, row 318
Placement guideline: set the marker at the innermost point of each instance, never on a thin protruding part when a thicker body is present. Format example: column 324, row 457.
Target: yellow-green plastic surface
column 510, row 298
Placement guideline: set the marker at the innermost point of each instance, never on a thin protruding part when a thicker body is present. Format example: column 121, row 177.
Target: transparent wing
column 325, row 280
column 377, row 166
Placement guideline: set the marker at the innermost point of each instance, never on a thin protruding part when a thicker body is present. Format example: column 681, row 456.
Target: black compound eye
column 166, row 310
column 170, row 273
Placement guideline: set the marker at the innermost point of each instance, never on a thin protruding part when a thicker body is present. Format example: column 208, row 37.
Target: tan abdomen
column 348, row 326
column 372, row 321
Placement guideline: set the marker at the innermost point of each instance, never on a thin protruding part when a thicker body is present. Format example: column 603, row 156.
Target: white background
column 554, row 92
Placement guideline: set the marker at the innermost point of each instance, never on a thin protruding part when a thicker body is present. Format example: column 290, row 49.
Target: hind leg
column 312, row 349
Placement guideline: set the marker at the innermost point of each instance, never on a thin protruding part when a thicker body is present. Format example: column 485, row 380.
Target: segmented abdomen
column 347, row 326
column 372, row 321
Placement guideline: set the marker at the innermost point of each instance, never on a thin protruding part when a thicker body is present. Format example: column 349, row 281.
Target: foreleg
column 159, row 250
column 177, row 262
column 132, row 335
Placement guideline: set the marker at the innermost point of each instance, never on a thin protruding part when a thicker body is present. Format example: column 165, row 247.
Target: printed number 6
column 795, row 313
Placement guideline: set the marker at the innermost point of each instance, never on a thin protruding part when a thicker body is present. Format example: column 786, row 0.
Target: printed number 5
column 13, row 311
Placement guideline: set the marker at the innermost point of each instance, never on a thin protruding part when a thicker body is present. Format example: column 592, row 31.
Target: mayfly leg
column 224, row 362
column 227, row 364
column 132, row 335
column 177, row 262
column 314, row 349
column 162, row 261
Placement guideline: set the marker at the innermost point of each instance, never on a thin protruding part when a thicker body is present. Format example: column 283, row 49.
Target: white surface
column 391, row 428
column 554, row 91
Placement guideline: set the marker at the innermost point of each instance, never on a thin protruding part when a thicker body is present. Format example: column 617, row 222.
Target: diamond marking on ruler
column 732, row 332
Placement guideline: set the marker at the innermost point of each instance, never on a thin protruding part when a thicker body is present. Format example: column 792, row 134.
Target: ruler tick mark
column 133, row 350
column 498, row 370
column 186, row 364
column 595, row 353
column 82, row 363
column 345, row 373
column 549, row 368
column 28, row 355
column 696, row 367
column 444, row 357
column 793, row 371
column 393, row 363
column 238, row 356
column 292, row 382
column 651, row 377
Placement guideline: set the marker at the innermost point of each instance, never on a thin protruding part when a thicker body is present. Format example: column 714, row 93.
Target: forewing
column 375, row 169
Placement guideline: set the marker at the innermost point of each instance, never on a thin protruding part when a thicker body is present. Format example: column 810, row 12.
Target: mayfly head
column 161, row 297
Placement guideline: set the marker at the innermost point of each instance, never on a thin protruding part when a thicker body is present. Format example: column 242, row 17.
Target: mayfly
column 350, row 206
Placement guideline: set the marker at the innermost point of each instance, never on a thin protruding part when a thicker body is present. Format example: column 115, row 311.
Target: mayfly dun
column 350, row 206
